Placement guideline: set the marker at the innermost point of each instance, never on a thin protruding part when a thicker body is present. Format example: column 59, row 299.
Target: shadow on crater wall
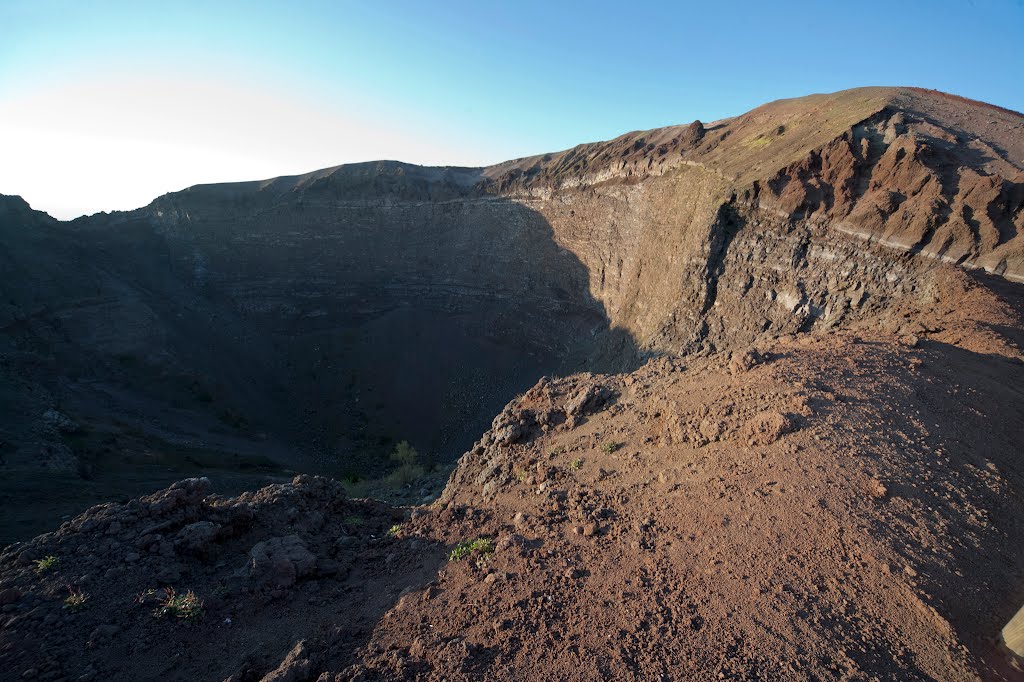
column 410, row 321
column 324, row 319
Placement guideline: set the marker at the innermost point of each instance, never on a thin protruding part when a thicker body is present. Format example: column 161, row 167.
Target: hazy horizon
column 107, row 106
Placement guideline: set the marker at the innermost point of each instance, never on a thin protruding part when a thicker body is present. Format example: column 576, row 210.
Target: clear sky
column 105, row 105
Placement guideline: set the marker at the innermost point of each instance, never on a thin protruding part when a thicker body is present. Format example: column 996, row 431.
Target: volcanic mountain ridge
column 798, row 456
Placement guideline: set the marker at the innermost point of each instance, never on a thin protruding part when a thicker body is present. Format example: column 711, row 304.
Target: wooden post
column 1013, row 634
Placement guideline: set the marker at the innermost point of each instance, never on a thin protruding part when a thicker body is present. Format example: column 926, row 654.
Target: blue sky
column 109, row 104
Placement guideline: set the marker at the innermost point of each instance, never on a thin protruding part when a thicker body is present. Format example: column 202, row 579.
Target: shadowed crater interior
column 306, row 323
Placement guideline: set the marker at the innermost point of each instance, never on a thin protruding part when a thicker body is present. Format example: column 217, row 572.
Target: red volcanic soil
column 829, row 506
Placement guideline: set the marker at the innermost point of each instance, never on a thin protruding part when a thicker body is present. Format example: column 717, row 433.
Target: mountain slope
column 836, row 505
column 774, row 429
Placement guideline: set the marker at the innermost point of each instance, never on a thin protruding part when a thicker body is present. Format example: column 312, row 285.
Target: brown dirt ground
column 844, row 505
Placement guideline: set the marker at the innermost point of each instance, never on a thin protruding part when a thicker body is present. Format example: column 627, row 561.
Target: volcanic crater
column 757, row 386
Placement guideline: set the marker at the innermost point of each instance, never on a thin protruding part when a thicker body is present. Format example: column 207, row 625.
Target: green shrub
column 46, row 563
column 404, row 475
column 76, row 599
column 405, row 454
column 408, row 469
column 610, row 447
column 186, row 606
column 482, row 547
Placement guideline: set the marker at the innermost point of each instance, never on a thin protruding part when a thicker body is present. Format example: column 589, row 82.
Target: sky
column 105, row 105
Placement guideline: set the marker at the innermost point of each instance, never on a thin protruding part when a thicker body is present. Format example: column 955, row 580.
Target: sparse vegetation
column 557, row 450
column 408, row 469
column 757, row 142
column 76, row 599
column 46, row 563
column 520, row 475
column 576, row 464
column 610, row 447
column 187, row 606
column 146, row 596
column 404, row 453
column 482, row 547
column 394, row 530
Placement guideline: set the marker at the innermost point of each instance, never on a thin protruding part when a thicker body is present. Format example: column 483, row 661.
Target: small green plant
column 520, row 475
column 186, row 606
column 482, row 547
column 150, row 597
column 408, row 470
column 46, row 563
column 576, row 464
column 394, row 530
column 76, row 599
column 610, row 447
column 558, row 450
column 404, row 475
column 404, row 453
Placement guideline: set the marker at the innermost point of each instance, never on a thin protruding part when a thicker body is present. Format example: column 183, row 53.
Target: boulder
column 279, row 562
column 197, row 538
column 692, row 134
column 588, row 399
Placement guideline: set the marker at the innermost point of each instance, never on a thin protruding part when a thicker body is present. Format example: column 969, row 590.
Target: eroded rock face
column 901, row 180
